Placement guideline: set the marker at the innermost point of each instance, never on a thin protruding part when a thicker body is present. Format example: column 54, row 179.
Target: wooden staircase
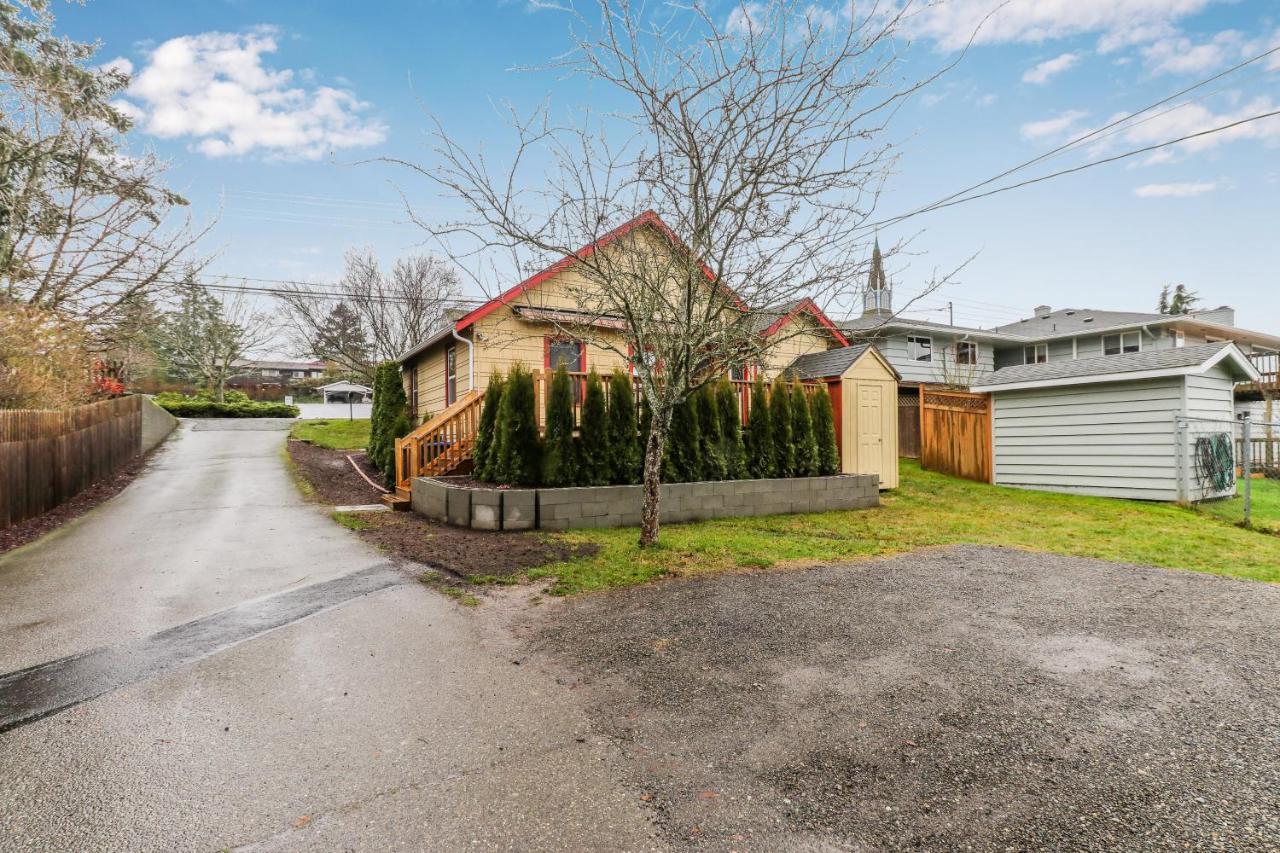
column 438, row 447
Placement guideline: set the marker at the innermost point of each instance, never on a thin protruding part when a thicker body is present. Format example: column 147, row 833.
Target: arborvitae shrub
column 784, row 449
column 559, row 453
column 484, row 454
column 806, row 464
column 758, row 438
column 623, row 437
column 824, row 432
column 593, row 444
column 518, row 450
column 680, row 462
column 389, row 420
column 727, row 408
column 711, row 462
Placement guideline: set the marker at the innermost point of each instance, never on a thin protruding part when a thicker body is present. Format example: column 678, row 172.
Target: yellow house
column 445, row 375
column 525, row 324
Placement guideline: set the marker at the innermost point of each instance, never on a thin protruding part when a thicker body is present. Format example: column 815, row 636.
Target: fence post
column 1247, row 465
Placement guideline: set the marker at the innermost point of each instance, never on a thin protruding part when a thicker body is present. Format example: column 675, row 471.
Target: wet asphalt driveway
column 957, row 699
column 207, row 662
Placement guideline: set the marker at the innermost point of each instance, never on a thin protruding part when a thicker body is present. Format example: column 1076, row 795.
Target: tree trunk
column 652, row 483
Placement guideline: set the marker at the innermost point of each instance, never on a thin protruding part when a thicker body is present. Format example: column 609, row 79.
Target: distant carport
column 345, row 392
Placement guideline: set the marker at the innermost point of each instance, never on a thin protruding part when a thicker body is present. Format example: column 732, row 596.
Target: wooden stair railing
column 441, row 444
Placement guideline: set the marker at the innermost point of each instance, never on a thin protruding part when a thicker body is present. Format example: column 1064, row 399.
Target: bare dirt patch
column 960, row 698
column 331, row 475
column 473, row 554
column 33, row 528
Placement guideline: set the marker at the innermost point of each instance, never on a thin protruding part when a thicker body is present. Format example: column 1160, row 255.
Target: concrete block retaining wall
column 619, row 506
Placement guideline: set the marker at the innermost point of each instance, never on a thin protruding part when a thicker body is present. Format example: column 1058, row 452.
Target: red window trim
column 547, row 340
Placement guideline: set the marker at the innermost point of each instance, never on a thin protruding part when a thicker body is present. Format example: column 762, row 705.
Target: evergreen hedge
column 559, row 453
column 806, row 448
column 519, row 449
column 623, row 437
column 824, row 432
column 680, row 461
column 593, row 441
column 711, row 461
column 784, row 449
column 735, row 458
column 389, row 420
column 758, row 438
column 485, row 453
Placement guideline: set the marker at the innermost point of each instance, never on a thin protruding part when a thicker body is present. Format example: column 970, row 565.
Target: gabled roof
column 649, row 218
column 343, row 385
column 1175, row 361
column 833, row 362
column 769, row 321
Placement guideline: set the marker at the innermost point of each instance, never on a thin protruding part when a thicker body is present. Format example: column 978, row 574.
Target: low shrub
column 235, row 405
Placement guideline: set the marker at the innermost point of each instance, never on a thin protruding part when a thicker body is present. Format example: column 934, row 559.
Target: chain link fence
column 1231, row 469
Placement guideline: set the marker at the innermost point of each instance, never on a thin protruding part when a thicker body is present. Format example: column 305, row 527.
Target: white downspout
column 471, row 359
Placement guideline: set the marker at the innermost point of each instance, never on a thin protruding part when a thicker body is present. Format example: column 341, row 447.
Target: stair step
column 398, row 500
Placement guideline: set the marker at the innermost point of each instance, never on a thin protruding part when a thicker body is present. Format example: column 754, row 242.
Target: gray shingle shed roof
column 832, row 362
column 1117, row 367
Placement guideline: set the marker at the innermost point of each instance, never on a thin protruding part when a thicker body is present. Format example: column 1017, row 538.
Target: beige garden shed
column 864, row 394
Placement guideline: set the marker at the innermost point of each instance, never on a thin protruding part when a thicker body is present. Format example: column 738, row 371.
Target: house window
column 1178, row 337
column 413, row 391
column 966, row 352
column 738, row 373
column 450, row 376
column 1035, row 354
column 1123, row 343
column 919, row 349
column 572, row 354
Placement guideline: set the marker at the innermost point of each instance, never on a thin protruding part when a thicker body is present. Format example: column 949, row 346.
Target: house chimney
column 1043, row 311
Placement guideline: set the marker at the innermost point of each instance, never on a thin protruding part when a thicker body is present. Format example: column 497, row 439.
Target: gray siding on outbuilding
column 1115, row 439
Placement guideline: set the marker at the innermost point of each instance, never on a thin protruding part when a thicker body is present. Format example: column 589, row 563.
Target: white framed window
column 966, row 352
column 1123, row 343
column 1035, row 354
column 1178, row 338
column 919, row 348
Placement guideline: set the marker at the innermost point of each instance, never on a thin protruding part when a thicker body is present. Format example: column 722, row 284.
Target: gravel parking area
column 960, row 698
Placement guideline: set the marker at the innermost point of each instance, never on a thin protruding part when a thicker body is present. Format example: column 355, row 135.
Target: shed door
column 870, row 428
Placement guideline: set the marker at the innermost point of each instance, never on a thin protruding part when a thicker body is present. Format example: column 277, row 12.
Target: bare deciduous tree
column 759, row 139
column 395, row 310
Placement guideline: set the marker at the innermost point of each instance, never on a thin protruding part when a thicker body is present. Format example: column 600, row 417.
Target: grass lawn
column 930, row 509
column 1266, row 506
column 335, row 434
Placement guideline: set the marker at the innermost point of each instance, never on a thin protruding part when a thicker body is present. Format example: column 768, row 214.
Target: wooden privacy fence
column 909, row 424
column 955, row 434
column 49, row 456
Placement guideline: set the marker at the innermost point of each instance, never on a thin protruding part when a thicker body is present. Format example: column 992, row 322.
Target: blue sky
column 343, row 84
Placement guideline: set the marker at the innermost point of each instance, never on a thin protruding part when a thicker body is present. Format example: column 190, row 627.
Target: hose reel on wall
column 1215, row 464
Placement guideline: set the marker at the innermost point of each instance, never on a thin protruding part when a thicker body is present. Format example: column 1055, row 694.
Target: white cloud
column 1175, row 190
column 1041, row 73
column 1178, row 55
column 952, row 23
column 1194, row 118
column 745, row 18
column 1056, row 126
column 214, row 89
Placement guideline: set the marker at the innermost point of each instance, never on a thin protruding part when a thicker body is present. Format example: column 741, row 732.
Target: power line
column 946, row 201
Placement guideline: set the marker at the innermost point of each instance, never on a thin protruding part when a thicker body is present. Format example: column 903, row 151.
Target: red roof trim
column 649, row 217
column 808, row 306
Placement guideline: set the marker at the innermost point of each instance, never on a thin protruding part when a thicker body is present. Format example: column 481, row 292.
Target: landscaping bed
column 330, row 477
